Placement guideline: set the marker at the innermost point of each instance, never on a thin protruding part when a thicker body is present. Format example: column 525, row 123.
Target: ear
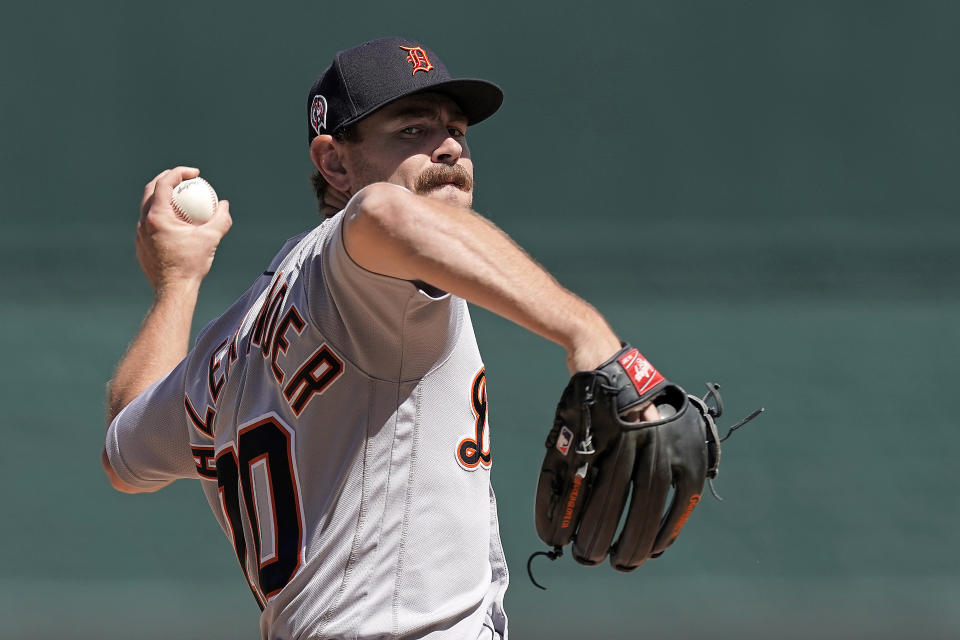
column 326, row 158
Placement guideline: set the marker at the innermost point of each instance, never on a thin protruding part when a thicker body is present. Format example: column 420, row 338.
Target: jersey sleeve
column 148, row 442
column 392, row 329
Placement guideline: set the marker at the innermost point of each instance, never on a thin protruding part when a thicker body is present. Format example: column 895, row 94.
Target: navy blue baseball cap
column 374, row 74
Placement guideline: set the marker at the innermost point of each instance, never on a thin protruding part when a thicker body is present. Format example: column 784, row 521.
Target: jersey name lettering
column 313, row 377
column 272, row 333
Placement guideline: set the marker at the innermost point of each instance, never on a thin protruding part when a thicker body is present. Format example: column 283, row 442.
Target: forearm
column 175, row 257
column 475, row 260
column 415, row 238
column 160, row 344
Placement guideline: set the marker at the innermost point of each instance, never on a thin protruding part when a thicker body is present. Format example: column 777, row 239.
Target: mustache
column 438, row 176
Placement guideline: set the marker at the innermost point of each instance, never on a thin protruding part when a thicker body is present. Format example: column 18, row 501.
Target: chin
column 452, row 196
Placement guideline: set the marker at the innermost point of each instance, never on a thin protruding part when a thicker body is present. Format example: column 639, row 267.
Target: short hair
column 347, row 134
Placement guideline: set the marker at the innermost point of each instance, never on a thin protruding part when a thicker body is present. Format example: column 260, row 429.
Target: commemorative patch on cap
column 318, row 113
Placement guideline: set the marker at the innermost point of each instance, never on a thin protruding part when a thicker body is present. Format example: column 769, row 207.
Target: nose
column 448, row 151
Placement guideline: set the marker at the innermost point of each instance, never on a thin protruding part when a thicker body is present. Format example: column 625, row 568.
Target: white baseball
column 666, row 411
column 194, row 200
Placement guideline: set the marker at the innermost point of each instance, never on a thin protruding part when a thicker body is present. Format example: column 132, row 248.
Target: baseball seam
column 183, row 215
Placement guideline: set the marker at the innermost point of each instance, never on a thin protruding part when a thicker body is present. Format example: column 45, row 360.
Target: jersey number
column 258, row 470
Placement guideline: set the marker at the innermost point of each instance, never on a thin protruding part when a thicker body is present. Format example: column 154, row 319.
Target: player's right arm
column 175, row 257
column 119, row 483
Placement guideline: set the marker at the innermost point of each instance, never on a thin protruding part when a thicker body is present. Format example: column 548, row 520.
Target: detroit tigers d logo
column 417, row 57
column 475, row 451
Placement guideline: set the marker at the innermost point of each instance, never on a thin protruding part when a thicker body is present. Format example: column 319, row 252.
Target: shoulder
column 288, row 247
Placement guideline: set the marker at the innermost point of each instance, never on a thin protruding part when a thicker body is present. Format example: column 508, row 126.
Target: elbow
column 379, row 208
column 112, row 476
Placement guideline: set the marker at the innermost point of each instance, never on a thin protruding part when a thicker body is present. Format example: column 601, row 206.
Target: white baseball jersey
column 337, row 421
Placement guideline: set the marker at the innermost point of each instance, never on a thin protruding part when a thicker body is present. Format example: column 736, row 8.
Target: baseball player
column 335, row 415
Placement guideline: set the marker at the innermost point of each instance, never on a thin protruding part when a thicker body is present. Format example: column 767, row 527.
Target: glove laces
column 553, row 555
column 714, row 405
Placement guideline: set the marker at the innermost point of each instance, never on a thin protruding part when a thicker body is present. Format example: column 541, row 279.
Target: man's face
column 418, row 142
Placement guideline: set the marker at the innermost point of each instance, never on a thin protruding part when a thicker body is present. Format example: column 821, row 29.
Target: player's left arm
column 175, row 257
column 397, row 233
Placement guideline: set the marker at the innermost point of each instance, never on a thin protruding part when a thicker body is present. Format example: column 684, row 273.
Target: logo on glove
column 564, row 440
column 571, row 502
column 641, row 373
column 694, row 499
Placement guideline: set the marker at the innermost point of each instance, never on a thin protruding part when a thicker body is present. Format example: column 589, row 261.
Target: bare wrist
column 592, row 344
column 177, row 287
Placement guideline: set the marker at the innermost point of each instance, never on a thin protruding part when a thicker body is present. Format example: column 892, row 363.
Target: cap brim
column 478, row 99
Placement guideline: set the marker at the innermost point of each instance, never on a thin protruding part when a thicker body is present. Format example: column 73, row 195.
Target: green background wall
column 757, row 193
